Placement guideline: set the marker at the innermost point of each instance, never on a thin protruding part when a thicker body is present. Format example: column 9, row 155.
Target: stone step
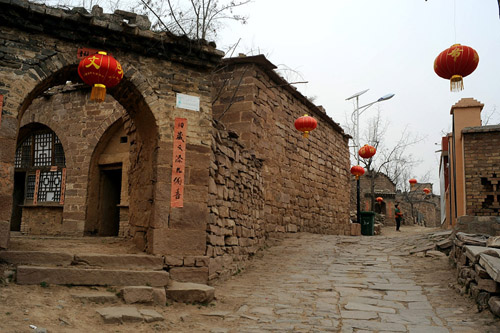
column 90, row 277
column 122, row 261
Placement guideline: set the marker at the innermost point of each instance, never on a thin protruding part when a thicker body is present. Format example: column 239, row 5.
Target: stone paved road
column 318, row 283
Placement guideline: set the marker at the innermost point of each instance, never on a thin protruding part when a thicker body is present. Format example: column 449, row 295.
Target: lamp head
column 385, row 97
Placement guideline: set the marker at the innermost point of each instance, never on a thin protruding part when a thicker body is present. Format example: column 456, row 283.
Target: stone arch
column 135, row 95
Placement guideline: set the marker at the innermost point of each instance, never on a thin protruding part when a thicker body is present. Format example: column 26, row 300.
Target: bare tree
column 197, row 19
column 391, row 159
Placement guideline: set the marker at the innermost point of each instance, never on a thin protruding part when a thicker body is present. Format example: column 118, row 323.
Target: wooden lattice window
column 41, row 153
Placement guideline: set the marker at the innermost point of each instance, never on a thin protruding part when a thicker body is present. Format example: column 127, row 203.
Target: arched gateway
column 77, row 167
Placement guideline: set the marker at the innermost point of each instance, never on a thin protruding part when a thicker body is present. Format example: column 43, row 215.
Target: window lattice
column 43, row 149
column 23, row 154
column 59, row 153
column 49, row 186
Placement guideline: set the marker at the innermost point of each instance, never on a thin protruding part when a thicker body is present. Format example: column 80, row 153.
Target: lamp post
column 358, row 110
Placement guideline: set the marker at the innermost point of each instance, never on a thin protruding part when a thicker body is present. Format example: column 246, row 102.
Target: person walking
column 399, row 216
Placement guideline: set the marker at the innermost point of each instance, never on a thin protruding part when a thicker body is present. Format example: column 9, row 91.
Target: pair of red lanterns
column 413, row 181
column 366, row 152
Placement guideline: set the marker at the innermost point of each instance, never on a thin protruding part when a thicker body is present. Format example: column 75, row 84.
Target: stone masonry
column 306, row 181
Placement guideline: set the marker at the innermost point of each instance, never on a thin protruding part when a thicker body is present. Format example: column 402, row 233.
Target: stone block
column 95, row 297
column 491, row 264
column 193, row 215
column 159, row 296
column 90, row 277
column 494, row 304
column 36, row 258
column 151, row 315
column 180, row 241
column 4, row 235
column 189, row 274
column 137, row 294
column 488, row 285
column 355, row 229
column 190, row 292
column 493, row 242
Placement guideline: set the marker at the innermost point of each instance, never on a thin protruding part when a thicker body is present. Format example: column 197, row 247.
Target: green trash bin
column 367, row 223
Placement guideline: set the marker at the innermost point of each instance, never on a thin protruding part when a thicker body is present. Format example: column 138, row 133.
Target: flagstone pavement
column 320, row 283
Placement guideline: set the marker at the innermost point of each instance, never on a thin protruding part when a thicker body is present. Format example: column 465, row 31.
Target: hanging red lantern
column 455, row 63
column 101, row 71
column 412, row 182
column 367, row 151
column 357, row 171
column 305, row 124
column 379, row 199
column 426, row 190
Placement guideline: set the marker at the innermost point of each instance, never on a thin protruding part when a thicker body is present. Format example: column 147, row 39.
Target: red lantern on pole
column 412, row 182
column 367, row 151
column 426, row 191
column 357, row 171
column 455, row 63
column 305, row 124
column 379, row 199
column 101, row 71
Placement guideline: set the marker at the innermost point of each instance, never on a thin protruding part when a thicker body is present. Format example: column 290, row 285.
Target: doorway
column 110, row 186
column 17, row 201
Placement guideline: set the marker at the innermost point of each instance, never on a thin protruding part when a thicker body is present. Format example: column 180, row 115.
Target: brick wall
column 306, row 181
column 482, row 170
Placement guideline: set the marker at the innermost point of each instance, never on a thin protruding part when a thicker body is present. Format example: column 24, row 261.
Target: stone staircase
column 143, row 272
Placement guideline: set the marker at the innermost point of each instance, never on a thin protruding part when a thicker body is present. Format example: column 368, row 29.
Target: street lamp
column 358, row 111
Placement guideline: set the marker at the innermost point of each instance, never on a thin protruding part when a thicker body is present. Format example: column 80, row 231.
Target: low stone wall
column 477, row 262
column 488, row 225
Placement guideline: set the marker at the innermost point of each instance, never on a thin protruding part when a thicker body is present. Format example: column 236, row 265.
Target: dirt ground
column 52, row 307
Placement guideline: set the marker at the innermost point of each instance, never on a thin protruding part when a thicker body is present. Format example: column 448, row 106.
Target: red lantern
column 412, row 181
column 379, row 199
column 357, row 171
column 456, row 63
column 100, row 71
column 367, row 151
column 305, row 124
column 426, row 190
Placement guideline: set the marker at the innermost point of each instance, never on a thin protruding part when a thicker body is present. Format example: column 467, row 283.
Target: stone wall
column 306, row 181
column 236, row 228
column 482, row 170
column 42, row 221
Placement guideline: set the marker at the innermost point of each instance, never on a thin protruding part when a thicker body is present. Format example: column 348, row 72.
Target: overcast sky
column 387, row 46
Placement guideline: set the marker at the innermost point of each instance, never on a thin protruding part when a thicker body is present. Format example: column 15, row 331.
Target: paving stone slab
column 120, row 314
column 491, row 265
column 190, row 292
column 358, row 315
column 368, row 307
column 373, row 325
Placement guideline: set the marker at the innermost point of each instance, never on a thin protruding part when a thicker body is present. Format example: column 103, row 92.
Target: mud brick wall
column 236, row 201
column 306, row 181
column 482, row 170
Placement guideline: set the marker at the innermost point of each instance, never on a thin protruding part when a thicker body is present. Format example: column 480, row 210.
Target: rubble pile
column 477, row 260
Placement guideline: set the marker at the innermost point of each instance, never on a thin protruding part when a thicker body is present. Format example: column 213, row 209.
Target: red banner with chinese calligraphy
column 178, row 163
column 37, row 182
column 63, row 186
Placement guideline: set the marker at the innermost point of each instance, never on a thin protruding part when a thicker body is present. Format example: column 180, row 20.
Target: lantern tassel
column 98, row 93
column 306, row 134
column 456, row 83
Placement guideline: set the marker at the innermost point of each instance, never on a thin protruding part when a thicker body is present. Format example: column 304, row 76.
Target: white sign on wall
column 188, row 102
